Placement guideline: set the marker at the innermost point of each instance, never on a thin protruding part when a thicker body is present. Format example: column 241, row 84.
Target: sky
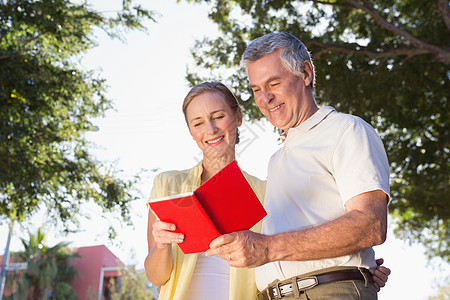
column 146, row 132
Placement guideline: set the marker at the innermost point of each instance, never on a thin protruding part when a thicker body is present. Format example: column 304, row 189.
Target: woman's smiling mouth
column 215, row 140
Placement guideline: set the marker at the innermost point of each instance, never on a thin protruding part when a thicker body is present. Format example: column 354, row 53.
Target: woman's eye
column 197, row 124
column 219, row 117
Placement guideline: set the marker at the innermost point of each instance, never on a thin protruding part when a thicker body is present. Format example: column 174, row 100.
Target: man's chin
column 279, row 124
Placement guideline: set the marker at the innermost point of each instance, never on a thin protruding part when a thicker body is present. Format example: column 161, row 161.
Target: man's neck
column 305, row 115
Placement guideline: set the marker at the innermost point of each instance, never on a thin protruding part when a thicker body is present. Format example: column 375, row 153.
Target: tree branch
column 409, row 52
column 442, row 54
column 391, row 27
column 336, row 4
column 445, row 11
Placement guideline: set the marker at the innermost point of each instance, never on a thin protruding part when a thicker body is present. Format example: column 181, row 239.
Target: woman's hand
column 164, row 235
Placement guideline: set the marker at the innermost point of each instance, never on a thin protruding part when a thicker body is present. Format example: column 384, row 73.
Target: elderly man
column 327, row 187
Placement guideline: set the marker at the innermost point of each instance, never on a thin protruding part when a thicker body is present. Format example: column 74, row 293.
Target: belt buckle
column 276, row 289
column 307, row 283
column 275, row 292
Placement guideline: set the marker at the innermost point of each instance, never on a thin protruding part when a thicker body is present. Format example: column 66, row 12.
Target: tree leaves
column 47, row 104
column 48, row 268
column 386, row 61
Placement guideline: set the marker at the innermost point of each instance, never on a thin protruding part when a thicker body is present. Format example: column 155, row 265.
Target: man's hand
column 242, row 249
column 380, row 275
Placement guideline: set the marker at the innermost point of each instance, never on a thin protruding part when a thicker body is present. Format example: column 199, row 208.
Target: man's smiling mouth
column 276, row 107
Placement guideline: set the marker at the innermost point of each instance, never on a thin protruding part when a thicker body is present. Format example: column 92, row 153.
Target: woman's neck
column 212, row 166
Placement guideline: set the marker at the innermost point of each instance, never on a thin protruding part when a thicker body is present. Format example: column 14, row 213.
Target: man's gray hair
column 293, row 53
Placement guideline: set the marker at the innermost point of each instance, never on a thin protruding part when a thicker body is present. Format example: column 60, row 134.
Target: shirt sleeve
column 360, row 162
column 157, row 189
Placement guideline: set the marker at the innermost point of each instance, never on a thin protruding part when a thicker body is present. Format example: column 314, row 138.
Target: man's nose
column 266, row 96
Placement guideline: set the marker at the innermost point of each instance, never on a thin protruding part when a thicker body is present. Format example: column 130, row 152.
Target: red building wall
column 89, row 266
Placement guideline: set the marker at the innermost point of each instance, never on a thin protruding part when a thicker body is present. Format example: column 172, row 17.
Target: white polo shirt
column 325, row 161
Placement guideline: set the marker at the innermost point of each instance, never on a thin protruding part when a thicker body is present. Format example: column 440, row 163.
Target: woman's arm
column 160, row 236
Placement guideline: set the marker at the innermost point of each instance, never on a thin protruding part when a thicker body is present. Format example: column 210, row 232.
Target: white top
column 325, row 161
column 211, row 275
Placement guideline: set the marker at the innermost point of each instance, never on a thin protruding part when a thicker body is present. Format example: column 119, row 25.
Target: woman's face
column 213, row 125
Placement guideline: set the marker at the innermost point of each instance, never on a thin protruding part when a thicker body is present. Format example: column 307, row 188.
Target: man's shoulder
column 344, row 117
column 352, row 127
column 344, row 120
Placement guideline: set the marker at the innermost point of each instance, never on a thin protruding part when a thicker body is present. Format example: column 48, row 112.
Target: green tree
column 47, row 105
column 48, row 269
column 384, row 60
column 132, row 285
column 64, row 291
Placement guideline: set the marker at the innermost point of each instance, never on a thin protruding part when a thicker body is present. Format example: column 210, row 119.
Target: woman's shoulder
column 173, row 182
column 253, row 178
column 258, row 185
column 173, row 175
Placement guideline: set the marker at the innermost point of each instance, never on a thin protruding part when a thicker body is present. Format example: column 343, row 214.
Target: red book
column 223, row 204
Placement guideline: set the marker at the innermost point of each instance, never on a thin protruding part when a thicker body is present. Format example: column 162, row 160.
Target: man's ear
column 308, row 73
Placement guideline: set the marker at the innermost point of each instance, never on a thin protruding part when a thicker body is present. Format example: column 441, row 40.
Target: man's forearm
column 363, row 226
column 348, row 234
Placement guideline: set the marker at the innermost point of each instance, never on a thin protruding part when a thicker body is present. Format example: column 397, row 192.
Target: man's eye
column 255, row 91
column 219, row 117
column 274, row 83
column 197, row 124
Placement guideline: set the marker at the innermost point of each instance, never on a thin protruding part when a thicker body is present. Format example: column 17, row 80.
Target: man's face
column 281, row 96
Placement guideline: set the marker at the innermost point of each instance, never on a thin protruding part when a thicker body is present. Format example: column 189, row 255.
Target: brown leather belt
column 279, row 290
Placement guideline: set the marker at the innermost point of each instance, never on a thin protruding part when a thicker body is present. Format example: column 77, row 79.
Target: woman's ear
column 239, row 117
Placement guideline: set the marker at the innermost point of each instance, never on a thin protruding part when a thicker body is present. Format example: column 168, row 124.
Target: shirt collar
column 312, row 121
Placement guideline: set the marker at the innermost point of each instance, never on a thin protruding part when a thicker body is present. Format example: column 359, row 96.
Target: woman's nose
column 211, row 127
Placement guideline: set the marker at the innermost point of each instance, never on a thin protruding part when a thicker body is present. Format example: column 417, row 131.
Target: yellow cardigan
column 242, row 281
